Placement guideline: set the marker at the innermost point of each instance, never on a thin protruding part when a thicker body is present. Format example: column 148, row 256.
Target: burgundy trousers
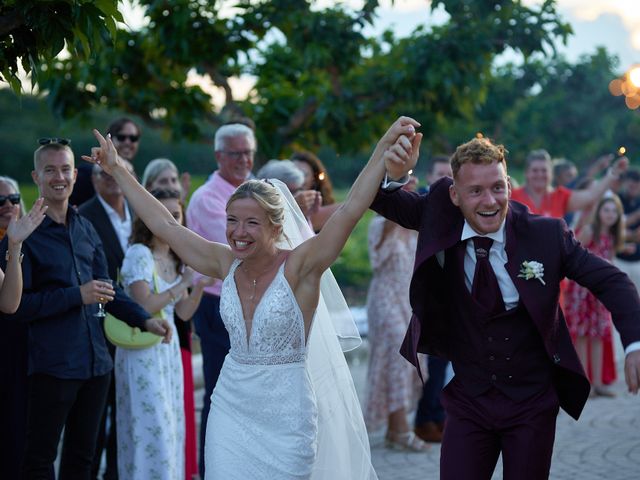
column 479, row 428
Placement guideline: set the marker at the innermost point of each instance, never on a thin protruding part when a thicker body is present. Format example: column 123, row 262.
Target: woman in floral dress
column 393, row 386
column 149, row 382
column 588, row 320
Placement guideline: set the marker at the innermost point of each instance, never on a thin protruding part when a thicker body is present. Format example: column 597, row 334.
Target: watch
column 389, row 186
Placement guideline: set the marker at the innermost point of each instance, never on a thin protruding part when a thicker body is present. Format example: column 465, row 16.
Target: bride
column 279, row 410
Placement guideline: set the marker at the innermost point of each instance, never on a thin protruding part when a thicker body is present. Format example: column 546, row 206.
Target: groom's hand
column 401, row 157
column 632, row 371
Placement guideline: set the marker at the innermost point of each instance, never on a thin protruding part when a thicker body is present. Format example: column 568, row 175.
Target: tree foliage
column 554, row 104
column 320, row 81
column 33, row 32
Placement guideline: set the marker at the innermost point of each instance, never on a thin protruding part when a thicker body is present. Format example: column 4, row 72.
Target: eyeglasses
column 14, row 198
column 121, row 137
column 59, row 141
column 239, row 154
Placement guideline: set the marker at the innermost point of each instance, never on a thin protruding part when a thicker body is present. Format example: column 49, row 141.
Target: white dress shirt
column 120, row 225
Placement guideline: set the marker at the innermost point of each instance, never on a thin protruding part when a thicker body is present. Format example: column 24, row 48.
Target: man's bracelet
column 7, row 256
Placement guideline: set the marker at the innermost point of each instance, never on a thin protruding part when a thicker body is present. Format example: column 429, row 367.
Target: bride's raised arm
column 209, row 258
column 399, row 144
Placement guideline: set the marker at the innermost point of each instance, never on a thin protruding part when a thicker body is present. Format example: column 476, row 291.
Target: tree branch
column 299, row 118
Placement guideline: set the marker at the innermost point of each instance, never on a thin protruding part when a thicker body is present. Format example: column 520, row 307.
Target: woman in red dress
column 588, row 320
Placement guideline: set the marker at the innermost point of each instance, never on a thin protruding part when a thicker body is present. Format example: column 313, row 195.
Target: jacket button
column 492, row 357
column 494, row 377
column 506, row 339
column 508, row 358
column 556, row 358
column 490, row 339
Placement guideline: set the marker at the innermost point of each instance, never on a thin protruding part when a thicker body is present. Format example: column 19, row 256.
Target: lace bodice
column 277, row 332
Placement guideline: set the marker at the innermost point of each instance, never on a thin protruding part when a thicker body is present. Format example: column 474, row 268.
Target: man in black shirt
column 69, row 364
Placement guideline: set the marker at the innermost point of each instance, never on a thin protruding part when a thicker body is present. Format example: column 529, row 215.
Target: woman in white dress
column 149, row 383
column 264, row 420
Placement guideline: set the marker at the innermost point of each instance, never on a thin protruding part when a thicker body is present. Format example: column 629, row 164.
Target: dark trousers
column 479, row 428
column 430, row 408
column 214, row 340
column 13, row 399
column 106, row 440
column 54, row 403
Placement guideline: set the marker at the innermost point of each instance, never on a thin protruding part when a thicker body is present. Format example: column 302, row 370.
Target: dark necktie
column 485, row 289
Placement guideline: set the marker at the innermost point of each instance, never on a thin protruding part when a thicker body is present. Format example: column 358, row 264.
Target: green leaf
column 86, row 48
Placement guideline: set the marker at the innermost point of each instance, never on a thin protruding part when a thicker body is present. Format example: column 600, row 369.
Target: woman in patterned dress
column 393, row 386
column 149, row 382
column 588, row 320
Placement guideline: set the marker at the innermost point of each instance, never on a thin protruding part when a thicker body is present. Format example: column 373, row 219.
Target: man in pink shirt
column 235, row 146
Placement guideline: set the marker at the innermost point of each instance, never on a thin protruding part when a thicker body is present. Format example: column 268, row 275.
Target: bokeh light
column 634, row 76
column 615, row 87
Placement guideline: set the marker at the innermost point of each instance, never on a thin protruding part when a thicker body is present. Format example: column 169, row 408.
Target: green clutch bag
column 124, row 335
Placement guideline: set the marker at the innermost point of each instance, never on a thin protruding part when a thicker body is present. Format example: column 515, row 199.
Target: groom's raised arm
column 402, row 207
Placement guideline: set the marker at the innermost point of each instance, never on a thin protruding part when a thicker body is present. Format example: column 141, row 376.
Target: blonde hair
column 266, row 195
column 478, row 151
column 51, row 147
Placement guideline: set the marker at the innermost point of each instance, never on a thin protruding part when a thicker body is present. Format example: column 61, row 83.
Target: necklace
column 163, row 264
column 254, row 282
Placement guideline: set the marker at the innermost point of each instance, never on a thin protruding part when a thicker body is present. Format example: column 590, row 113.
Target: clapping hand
column 308, row 200
column 20, row 228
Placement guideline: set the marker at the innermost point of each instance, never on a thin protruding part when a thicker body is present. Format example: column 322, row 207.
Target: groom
column 484, row 294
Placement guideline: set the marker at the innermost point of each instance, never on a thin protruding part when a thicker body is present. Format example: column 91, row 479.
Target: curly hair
column 321, row 181
column 141, row 234
column 478, row 151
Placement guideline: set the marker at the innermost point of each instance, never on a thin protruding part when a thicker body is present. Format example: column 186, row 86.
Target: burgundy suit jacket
column 528, row 238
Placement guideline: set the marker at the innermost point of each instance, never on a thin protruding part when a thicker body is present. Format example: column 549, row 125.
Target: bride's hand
column 105, row 155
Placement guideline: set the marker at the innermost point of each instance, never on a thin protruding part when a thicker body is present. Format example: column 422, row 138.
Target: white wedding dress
column 263, row 419
column 285, row 408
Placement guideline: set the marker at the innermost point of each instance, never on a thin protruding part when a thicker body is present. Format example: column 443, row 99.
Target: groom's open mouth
column 488, row 214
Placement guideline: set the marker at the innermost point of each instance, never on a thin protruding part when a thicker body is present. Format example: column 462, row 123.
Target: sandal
column 407, row 441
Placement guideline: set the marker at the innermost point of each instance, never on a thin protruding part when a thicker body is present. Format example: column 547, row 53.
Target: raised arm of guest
column 19, row 229
column 581, row 199
column 209, row 258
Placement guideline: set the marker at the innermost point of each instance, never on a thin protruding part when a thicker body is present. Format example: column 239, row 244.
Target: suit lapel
column 520, row 247
column 110, row 239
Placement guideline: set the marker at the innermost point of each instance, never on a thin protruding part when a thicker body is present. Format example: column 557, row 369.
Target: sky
column 614, row 24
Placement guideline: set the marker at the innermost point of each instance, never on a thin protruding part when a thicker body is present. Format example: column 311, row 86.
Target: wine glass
column 101, row 313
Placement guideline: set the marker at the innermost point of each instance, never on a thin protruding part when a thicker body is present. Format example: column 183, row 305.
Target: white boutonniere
column 532, row 269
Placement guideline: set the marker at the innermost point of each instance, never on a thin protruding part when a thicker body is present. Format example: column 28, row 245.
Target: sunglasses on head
column 122, row 137
column 48, row 140
column 14, row 198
